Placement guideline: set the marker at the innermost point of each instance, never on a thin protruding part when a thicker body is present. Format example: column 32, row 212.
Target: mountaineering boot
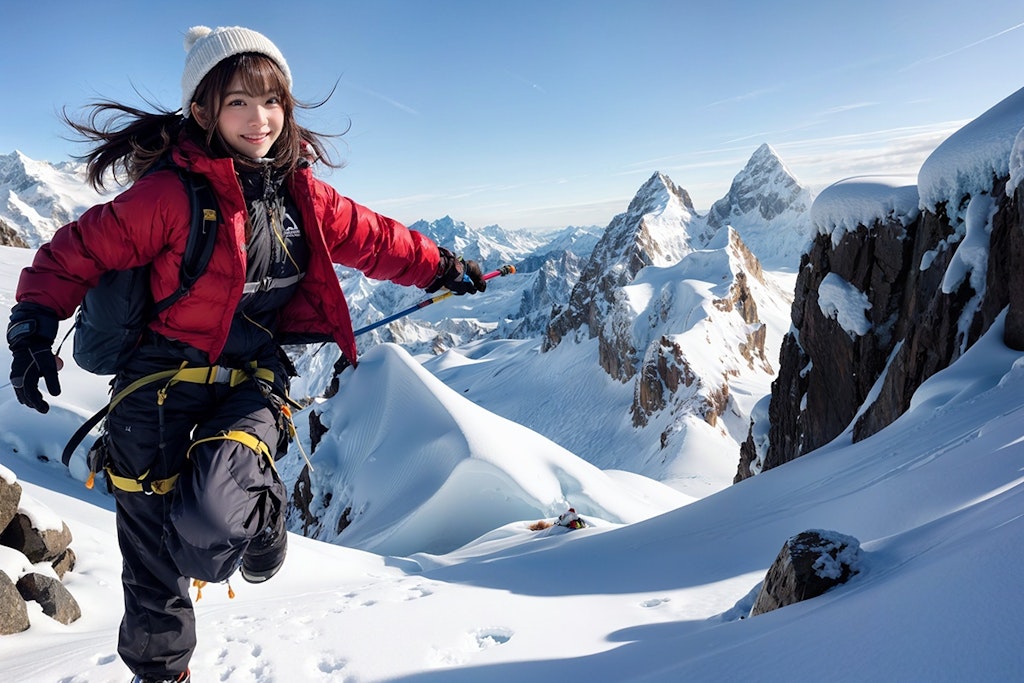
column 183, row 677
column 266, row 552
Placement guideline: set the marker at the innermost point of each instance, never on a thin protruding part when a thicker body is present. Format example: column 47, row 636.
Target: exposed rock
column 809, row 564
column 39, row 545
column 827, row 371
column 36, row 546
column 65, row 563
column 316, row 428
column 51, row 594
column 9, row 237
column 13, row 612
column 10, row 496
column 302, row 498
column 748, row 457
column 1010, row 241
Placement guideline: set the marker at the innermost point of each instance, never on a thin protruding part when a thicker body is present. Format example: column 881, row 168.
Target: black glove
column 30, row 335
column 457, row 275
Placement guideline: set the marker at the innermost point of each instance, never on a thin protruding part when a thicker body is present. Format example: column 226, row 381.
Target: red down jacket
column 149, row 223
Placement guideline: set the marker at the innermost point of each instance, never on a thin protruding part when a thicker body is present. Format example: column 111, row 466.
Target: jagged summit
column 770, row 209
column 658, row 228
column 653, row 193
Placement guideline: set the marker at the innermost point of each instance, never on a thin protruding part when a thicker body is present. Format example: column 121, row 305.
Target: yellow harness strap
column 253, row 443
column 140, row 485
column 213, row 374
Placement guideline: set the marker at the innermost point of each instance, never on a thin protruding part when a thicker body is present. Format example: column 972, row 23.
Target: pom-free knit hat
column 206, row 47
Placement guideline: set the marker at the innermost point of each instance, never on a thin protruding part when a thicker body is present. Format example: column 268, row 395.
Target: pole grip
column 500, row 272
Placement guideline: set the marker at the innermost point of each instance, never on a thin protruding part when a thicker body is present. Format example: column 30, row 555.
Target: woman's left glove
column 458, row 275
column 30, row 335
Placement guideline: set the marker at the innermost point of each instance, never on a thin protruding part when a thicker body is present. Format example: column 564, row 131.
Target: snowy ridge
column 968, row 161
column 863, row 200
column 474, row 482
column 39, row 197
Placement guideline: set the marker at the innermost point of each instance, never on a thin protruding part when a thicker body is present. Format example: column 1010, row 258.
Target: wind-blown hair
column 129, row 141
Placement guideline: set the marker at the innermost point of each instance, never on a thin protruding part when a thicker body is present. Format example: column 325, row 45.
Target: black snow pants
column 225, row 494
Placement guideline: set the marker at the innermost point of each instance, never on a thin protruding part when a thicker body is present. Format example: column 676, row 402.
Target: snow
column 471, row 476
column 40, row 517
column 1016, row 163
column 862, row 200
column 657, row 589
column 837, row 551
column 844, row 303
column 968, row 161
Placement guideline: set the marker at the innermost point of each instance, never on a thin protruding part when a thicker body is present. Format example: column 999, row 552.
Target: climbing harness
column 214, row 374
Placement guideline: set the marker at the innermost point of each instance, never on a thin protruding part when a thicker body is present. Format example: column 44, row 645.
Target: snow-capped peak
column 769, row 207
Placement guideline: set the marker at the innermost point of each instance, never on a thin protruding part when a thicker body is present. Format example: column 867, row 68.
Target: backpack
column 115, row 312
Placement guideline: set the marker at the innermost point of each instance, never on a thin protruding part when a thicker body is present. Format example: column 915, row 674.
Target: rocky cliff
column 899, row 282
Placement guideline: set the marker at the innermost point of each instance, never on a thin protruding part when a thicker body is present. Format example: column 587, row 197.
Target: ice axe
column 500, row 272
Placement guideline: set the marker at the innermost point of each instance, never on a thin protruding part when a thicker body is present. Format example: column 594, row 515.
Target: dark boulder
column 809, row 564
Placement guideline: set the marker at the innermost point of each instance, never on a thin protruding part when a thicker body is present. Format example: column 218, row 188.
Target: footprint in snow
column 470, row 644
column 654, row 602
column 330, row 664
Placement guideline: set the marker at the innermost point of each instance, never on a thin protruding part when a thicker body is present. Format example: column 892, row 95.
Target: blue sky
column 545, row 113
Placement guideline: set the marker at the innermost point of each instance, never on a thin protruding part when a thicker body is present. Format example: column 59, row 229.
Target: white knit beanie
column 206, row 47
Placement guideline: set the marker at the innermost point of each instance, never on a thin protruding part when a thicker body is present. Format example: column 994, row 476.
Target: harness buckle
column 221, row 375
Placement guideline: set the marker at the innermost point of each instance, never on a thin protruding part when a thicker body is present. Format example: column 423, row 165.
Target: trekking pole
column 500, row 272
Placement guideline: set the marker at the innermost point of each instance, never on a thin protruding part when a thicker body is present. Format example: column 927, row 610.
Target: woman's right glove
column 457, row 275
column 30, row 335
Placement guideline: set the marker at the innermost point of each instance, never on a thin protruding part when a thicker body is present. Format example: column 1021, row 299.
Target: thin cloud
column 384, row 98
column 753, row 94
column 525, row 81
column 848, row 107
column 898, row 151
column 929, row 60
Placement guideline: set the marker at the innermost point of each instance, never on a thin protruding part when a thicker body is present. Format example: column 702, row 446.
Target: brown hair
column 130, row 141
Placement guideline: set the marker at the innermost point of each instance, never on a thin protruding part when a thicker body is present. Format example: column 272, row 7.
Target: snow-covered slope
column 935, row 500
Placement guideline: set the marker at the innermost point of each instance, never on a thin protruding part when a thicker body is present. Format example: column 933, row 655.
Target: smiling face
column 249, row 123
column 244, row 102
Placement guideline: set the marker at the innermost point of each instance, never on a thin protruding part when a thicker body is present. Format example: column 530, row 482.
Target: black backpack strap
column 202, row 235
